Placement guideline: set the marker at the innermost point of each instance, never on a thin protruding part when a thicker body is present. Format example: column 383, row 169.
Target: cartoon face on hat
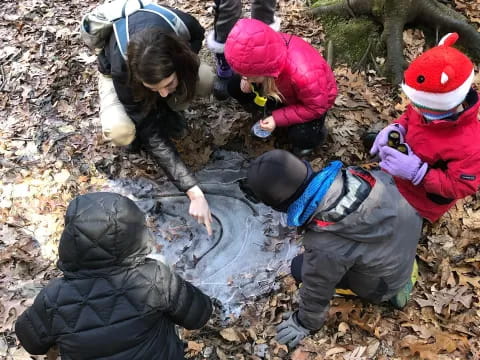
column 440, row 78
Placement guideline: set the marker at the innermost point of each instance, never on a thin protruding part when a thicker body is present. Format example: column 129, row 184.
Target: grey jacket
column 364, row 234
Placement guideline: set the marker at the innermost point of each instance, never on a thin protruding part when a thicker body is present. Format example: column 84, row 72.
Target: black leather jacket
column 151, row 132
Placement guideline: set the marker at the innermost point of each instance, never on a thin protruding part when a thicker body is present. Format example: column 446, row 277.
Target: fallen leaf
column 334, row 351
column 195, row 347
column 230, row 334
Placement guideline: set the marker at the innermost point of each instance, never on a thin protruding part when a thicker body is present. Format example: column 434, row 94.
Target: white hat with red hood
column 438, row 81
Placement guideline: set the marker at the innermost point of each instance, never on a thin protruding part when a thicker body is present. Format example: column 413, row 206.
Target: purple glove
column 408, row 167
column 382, row 137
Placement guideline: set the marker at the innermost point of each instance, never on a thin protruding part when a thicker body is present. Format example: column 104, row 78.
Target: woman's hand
column 199, row 208
column 245, row 86
column 268, row 124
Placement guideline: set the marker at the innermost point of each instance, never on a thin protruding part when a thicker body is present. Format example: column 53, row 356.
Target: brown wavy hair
column 153, row 55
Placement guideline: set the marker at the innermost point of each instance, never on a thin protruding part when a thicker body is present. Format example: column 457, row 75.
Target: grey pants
column 229, row 11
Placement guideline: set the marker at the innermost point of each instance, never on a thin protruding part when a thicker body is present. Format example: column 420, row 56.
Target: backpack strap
column 171, row 18
column 122, row 35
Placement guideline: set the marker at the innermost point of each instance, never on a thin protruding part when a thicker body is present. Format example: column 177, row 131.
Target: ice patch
column 250, row 246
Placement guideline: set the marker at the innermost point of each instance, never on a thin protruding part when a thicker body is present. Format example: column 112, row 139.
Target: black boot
column 302, row 152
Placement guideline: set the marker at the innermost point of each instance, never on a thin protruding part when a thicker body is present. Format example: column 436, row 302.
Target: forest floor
column 51, row 150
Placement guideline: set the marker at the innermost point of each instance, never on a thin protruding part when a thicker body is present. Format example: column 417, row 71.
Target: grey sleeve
column 321, row 272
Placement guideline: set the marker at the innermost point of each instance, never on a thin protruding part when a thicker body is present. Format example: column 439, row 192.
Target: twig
column 4, row 79
column 42, row 43
column 11, row 57
column 61, row 137
column 22, row 139
column 375, row 65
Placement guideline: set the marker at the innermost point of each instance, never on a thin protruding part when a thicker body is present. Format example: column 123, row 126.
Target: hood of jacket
column 255, row 49
column 361, row 206
column 102, row 230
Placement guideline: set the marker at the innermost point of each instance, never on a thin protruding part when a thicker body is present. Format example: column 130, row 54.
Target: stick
column 42, row 43
column 330, row 53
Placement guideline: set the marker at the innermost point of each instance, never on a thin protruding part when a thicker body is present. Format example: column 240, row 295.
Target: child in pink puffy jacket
column 296, row 79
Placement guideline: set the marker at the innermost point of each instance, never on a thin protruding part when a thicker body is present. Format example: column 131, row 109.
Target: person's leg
column 117, row 126
column 205, row 82
column 264, row 10
column 305, row 137
column 227, row 12
column 296, row 268
column 401, row 298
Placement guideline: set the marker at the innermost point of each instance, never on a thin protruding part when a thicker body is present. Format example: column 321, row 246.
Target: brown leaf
column 230, row 334
column 221, row 355
column 444, row 342
column 10, row 310
column 334, row 351
column 463, row 279
column 195, row 347
column 299, row 354
column 446, row 298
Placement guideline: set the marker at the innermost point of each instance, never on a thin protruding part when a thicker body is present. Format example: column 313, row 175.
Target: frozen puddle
column 249, row 247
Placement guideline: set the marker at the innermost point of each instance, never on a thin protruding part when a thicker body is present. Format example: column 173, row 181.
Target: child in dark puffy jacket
column 440, row 130
column 291, row 73
column 112, row 301
column 360, row 234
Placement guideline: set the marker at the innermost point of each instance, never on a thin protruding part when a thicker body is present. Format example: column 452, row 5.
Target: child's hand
column 406, row 166
column 268, row 124
column 382, row 138
column 245, row 86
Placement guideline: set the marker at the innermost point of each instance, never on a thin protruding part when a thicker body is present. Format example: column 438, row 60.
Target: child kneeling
column 361, row 234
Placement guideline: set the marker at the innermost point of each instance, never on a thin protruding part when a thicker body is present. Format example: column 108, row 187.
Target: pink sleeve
column 316, row 94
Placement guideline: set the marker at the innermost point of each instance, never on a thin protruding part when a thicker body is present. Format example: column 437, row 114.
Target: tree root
column 394, row 15
column 330, row 54
column 363, row 62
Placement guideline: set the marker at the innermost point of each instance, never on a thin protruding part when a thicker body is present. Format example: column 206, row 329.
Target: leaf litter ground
column 51, row 151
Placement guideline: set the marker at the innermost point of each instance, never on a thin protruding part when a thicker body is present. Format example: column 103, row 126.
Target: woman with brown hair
column 152, row 73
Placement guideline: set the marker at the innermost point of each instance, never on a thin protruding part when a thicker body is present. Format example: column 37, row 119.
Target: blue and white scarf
column 304, row 207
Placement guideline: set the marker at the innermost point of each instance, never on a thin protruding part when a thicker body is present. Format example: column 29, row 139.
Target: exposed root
column 394, row 15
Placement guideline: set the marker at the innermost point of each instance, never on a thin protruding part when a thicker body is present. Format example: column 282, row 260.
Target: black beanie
column 278, row 178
